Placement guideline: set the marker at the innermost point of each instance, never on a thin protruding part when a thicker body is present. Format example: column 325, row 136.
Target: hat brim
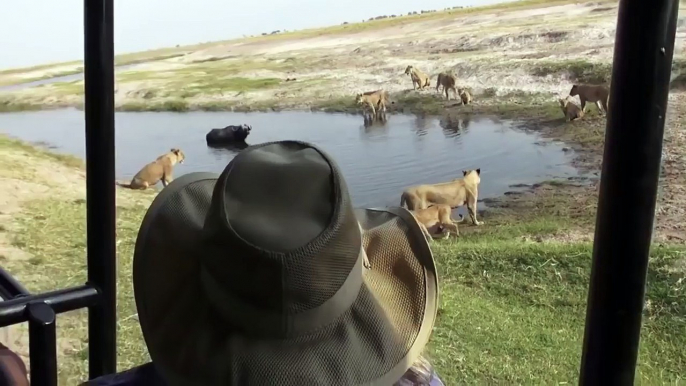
column 374, row 343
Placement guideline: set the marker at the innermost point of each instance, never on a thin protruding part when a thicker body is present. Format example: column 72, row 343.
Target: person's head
column 258, row 276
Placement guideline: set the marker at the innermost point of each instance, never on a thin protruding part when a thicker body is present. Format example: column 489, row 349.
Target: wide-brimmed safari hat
column 259, row 276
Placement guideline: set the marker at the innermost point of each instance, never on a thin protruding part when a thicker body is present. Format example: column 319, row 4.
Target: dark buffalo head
column 228, row 135
column 240, row 132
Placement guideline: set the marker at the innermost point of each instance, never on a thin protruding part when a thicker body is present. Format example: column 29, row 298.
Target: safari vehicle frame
column 624, row 225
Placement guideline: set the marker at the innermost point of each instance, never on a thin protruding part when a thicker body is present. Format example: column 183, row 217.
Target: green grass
column 15, row 81
column 512, row 309
column 75, row 87
column 512, row 312
column 54, row 232
column 9, row 105
column 38, row 152
column 580, row 71
column 39, row 67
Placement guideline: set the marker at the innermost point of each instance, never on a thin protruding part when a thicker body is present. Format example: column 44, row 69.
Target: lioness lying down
column 455, row 193
column 159, row 169
column 436, row 221
column 571, row 111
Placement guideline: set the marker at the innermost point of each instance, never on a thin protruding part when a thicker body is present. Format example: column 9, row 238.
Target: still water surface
column 378, row 162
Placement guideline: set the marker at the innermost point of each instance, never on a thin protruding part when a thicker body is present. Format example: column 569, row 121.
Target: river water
column 378, row 161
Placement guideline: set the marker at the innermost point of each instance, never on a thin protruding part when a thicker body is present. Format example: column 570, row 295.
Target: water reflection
column 454, row 126
column 373, row 128
column 421, row 125
column 232, row 148
column 371, row 121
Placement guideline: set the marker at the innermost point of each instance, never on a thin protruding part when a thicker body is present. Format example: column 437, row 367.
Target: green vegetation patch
column 9, row 143
column 580, row 71
column 511, row 312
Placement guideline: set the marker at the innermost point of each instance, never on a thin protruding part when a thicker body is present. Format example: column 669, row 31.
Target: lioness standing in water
column 455, row 193
column 156, row 171
column 419, row 79
column 374, row 101
column 592, row 93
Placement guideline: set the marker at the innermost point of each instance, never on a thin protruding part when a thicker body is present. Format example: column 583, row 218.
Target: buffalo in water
column 228, row 136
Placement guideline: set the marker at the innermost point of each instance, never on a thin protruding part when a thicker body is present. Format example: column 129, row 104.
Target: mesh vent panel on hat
column 177, row 232
column 287, row 210
column 307, row 286
column 279, row 200
column 359, row 330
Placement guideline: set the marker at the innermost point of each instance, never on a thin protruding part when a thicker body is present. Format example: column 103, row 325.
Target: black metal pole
column 42, row 344
column 100, row 194
column 626, row 206
column 10, row 287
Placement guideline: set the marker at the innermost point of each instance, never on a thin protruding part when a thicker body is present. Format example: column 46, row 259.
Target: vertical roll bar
column 100, row 194
column 42, row 344
column 626, row 205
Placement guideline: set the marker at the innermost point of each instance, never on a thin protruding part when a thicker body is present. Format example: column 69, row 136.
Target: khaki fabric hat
column 259, row 276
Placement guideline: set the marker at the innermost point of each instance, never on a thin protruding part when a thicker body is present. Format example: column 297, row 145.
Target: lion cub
column 571, row 111
column 448, row 81
column 373, row 100
column 436, row 221
column 419, row 79
column 592, row 93
column 465, row 96
column 156, row 171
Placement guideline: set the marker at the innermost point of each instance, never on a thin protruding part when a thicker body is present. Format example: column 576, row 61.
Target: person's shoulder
column 436, row 380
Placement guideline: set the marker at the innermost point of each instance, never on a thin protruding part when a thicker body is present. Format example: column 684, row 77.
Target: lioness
column 571, row 111
column 465, row 96
column 455, row 193
column 436, row 221
column 592, row 93
column 447, row 80
column 159, row 169
column 373, row 100
column 419, row 79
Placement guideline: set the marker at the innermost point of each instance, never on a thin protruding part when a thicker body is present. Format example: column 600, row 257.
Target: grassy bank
column 513, row 291
column 230, row 85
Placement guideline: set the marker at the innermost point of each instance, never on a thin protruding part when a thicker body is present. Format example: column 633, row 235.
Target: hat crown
column 285, row 237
